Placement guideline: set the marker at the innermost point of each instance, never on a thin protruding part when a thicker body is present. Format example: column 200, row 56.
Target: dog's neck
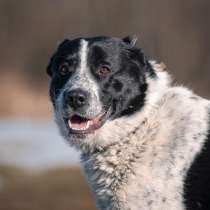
column 108, row 167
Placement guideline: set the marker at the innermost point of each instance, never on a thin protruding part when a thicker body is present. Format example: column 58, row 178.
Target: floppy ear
column 49, row 66
column 130, row 40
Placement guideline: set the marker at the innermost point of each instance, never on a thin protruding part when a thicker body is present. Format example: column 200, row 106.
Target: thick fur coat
column 155, row 158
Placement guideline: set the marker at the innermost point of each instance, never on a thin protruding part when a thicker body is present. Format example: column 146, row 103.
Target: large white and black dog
column 145, row 143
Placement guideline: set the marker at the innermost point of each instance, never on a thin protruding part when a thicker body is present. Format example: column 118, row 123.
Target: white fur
column 147, row 155
column 83, row 56
column 140, row 162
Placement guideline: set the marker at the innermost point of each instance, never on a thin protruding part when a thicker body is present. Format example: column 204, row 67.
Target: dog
column 144, row 142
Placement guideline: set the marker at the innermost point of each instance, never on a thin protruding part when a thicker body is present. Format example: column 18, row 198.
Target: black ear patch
column 135, row 52
column 130, row 40
column 61, row 45
column 138, row 54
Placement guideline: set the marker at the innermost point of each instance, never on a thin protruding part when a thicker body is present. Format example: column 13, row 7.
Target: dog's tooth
column 88, row 124
column 69, row 122
column 79, row 129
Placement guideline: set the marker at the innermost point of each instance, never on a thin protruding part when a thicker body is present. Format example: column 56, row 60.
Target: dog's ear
column 130, row 40
column 61, row 45
column 135, row 52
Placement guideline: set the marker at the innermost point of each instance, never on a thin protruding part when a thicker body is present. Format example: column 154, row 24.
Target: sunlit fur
column 140, row 161
column 153, row 150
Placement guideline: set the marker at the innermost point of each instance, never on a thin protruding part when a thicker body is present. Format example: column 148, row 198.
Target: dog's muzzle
column 76, row 104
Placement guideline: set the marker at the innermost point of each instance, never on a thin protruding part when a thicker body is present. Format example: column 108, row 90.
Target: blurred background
column 38, row 170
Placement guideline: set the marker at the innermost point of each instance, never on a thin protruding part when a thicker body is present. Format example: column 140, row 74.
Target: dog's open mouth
column 82, row 125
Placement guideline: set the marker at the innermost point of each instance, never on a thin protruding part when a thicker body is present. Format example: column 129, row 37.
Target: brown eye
column 64, row 69
column 103, row 71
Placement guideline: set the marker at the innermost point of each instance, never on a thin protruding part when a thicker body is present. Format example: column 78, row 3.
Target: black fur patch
column 67, row 52
column 117, row 85
column 197, row 182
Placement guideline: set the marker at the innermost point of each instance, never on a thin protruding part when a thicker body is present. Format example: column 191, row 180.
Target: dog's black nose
column 75, row 98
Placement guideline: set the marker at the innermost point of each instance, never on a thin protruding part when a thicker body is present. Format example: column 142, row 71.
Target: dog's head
column 94, row 82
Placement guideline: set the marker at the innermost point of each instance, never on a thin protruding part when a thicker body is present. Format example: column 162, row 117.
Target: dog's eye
column 103, row 71
column 64, row 69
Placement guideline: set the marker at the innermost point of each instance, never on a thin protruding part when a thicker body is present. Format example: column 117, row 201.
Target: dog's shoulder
column 184, row 101
column 197, row 180
column 194, row 111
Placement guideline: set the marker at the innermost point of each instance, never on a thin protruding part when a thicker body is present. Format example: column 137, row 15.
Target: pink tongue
column 77, row 125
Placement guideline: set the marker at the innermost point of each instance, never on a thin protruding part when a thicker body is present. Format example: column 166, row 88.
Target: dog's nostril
column 81, row 99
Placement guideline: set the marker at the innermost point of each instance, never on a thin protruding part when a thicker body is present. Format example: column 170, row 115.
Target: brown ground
column 61, row 189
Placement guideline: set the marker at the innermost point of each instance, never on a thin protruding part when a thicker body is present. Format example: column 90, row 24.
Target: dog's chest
column 143, row 180
column 132, row 176
column 155, row 186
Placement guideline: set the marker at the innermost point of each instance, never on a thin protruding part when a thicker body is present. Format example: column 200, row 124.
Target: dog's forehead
column 95, row 45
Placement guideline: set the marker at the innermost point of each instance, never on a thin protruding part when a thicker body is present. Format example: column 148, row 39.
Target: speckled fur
column 140, row 162
column 150, row 152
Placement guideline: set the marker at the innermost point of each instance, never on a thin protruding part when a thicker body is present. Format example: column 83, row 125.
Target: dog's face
column 95, row 81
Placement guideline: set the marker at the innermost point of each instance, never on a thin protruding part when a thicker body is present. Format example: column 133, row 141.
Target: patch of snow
column 34, row 144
